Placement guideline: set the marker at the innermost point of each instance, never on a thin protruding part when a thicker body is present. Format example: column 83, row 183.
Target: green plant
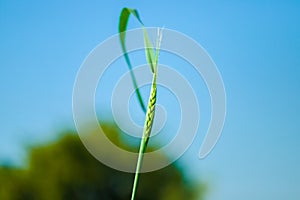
column 152, row 55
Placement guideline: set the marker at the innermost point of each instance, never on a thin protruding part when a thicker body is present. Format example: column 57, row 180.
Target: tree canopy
column 64, row 170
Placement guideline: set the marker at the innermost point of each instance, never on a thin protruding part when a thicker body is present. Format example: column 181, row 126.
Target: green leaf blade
column 149, row 51
column 123, row 21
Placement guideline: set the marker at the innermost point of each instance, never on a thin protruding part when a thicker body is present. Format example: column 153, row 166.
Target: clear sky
column 255, row 44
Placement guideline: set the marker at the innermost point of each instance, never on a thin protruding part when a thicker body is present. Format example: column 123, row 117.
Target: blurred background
column 255, row 45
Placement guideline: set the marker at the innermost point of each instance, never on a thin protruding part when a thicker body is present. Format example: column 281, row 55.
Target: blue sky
column 255, row 45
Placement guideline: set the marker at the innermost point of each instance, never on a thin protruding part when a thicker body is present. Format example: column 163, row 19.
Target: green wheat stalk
column 152, row 59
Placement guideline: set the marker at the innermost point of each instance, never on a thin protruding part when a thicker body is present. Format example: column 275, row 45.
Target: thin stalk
column 146, row 133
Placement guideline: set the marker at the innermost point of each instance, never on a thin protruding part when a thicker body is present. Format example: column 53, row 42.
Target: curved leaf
column 124, row 17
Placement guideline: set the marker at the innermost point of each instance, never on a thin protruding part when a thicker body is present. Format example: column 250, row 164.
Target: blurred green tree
column 64, row 170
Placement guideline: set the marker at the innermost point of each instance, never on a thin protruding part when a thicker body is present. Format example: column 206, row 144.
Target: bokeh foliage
column 64, row 170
